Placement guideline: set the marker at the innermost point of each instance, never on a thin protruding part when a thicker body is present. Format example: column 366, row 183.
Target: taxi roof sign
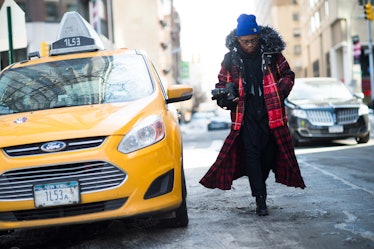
column 75, row 35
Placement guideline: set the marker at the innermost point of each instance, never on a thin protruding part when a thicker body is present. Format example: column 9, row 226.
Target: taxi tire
column 181, row 214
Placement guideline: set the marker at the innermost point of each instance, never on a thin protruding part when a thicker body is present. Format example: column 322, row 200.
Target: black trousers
column 259, row 147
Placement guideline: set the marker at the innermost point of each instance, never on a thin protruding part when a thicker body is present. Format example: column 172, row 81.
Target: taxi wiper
column 60, row 106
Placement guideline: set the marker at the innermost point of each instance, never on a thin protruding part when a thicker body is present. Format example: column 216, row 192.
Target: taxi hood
column 73, row 122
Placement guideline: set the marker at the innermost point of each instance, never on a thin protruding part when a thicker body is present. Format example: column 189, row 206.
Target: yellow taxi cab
column 89, row 134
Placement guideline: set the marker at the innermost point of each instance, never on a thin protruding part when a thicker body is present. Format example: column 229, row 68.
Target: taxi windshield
column 76, row 82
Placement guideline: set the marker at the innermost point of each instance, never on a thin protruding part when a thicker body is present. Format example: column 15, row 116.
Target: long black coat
column 278, row 80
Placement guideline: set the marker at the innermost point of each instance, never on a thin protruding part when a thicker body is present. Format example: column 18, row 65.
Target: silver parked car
column 323, row 108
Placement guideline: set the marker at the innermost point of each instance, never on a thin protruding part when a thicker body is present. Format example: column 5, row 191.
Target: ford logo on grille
column 53, row 146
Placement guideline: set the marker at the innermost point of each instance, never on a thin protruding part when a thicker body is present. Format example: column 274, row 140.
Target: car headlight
column 364, row 110
column 299, row 113
column 149, row 131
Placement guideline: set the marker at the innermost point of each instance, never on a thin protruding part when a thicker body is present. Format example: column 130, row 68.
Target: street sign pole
column 10, row 35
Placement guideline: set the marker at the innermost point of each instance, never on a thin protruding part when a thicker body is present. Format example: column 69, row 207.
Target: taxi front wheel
column 181, row 216
column 181, row 213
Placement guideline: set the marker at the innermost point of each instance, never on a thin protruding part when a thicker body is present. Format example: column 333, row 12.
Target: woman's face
column 249, row 43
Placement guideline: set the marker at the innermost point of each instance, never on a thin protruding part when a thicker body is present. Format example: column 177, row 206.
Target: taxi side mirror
column 177, row 93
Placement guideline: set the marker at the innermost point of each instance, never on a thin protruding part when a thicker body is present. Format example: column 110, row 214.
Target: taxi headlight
column 149, row 131
column 364, row 110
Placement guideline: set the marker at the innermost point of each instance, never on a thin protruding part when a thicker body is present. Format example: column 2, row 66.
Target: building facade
column 150, row 25
column 320, row 37
column 284, row 16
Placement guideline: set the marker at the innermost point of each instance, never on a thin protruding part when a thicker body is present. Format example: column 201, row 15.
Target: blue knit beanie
column 247, row 25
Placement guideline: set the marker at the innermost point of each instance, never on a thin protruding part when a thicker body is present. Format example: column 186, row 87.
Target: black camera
column 229, row 92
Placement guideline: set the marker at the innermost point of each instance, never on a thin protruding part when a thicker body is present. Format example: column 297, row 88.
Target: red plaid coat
column 230, row 163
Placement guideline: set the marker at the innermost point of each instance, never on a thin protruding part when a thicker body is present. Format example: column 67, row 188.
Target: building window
column 312, row 3
column 296, row 32
column 328, row 65
column 51, row 11
column 69, row 5
column 327, row 8
column 316, row 68
column 298, row 65
column 295, row 17
column 297, row 49
column 315, row 22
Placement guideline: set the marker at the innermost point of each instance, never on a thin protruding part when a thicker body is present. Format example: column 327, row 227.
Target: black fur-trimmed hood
column 271, row 41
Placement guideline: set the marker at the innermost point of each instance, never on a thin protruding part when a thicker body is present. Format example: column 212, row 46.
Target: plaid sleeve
column 286, row 75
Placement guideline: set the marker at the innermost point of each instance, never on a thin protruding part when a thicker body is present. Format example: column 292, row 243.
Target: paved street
column 336, row 210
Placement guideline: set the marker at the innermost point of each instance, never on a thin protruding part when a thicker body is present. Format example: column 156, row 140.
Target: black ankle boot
column 261, row 208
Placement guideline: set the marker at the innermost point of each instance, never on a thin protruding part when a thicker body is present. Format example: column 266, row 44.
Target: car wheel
column 363, row 140
column 181, row 217
column 181, row 214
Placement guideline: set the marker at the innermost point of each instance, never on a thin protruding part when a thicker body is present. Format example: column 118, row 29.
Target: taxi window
column 84, row 81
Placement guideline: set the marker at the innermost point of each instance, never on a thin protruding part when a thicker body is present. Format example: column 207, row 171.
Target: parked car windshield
column 319, row 89
column 84, row 81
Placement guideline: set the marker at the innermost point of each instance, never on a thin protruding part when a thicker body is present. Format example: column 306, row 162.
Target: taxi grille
column 36, row 148
column 341, row 116
column 92, row 176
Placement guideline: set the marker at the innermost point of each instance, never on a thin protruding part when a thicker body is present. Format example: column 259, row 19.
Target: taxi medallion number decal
column 76, row 41
column 55, row 194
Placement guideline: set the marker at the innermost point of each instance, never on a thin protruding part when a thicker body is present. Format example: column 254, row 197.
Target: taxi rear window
column 76, row 82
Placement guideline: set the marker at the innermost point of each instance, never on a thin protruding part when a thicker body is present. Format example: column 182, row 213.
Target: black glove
column 225, row 101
